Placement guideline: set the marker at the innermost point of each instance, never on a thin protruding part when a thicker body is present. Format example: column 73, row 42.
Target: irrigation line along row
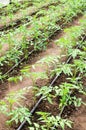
column 62, row 109
column 42, row 97
column 19, row 22
column 70, row 93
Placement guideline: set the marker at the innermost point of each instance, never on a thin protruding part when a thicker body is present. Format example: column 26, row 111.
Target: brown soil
column 4, row 49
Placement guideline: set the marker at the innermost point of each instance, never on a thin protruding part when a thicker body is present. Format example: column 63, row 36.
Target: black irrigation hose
column 62, row 109
column 40, row 100
column 32, row 111
column 18, row 63
column 37, row 104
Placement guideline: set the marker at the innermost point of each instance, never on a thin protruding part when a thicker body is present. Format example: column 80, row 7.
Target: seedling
column 63, row 68
column 15, row 114
column 33, row 75
column 11, row 99
column 50, row 120
column 46, row 92
column 50, row 61
column 15, row 79
column 19, row 115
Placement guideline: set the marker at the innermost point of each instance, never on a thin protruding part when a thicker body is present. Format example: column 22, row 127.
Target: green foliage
column 15, row 79
column 19, row 115
column 15, row 114
column 49, row 60
column 74, row 52
column 64, row 91
column 49, row 121
column 45, row 92
column 76, row 101
column 10, row 100
column 72, row 35
column 80, row 65
column 63, row 68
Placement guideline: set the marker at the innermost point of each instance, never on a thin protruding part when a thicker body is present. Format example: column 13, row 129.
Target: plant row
column 14, row 6
column 22, row 16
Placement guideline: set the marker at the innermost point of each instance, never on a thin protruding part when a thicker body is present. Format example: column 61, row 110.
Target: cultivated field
column 43, row 65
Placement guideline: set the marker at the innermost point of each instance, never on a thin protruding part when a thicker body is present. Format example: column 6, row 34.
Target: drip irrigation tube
column 18, row 63
column 40, row 100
